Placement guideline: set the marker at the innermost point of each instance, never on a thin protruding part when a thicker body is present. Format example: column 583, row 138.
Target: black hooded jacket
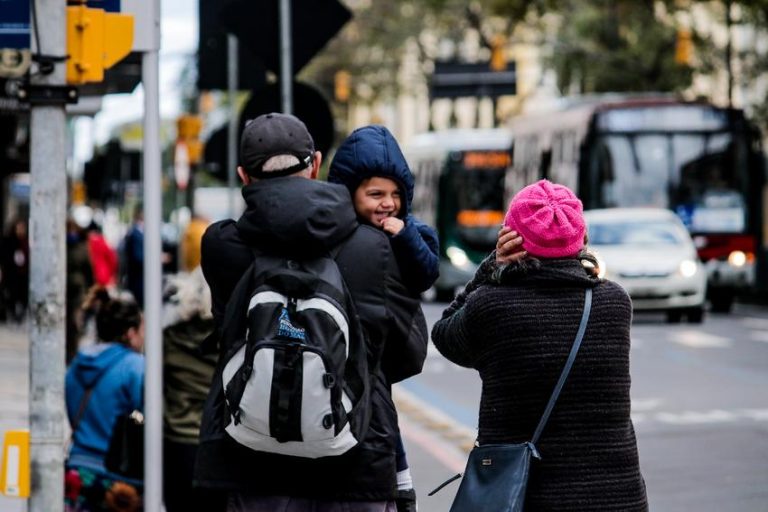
column 297, row 217
column 516, row 327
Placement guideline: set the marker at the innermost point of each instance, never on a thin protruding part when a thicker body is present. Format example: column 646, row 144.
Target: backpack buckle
column 329, row 380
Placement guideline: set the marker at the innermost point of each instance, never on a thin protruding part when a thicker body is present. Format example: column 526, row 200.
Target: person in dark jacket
column 372, row 167
column 132, row 254
column 290, row 214
column 79, row 281
column 14, row 270
column 113, row 371
column 515, row 325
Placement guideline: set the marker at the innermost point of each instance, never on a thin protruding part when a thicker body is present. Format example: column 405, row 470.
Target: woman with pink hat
column 516, row 324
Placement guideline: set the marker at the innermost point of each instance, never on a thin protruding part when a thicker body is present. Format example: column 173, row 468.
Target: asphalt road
column 700, row 408
column 699, row 402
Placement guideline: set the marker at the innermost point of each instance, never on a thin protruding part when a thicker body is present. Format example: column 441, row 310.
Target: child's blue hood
column 368, row 152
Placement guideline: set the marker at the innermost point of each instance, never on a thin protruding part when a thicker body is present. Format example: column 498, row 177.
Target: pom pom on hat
column 550, row 219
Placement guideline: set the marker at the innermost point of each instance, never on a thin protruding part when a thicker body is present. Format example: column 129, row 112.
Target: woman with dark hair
column 104, row 381
column 516, row 323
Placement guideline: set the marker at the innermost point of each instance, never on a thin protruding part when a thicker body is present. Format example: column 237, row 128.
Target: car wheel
column 674, row 316
column 695, row 315
column 722, row 302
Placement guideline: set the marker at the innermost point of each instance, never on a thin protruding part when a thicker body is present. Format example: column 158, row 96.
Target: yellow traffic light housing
column 684, row 47
column 498, row 53
column 341, row 85
column 188, row 129
column 96, row 40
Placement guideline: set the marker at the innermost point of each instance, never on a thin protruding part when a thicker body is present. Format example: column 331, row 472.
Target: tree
column 615, row 45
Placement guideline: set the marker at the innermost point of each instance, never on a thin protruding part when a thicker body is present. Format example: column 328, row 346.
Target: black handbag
column 125, row 455
column 496, row 475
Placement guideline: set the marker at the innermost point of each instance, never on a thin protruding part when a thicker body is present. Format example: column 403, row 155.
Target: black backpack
column 295, row 376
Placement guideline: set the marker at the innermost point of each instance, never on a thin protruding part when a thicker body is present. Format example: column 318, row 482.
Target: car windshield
column 634, row 233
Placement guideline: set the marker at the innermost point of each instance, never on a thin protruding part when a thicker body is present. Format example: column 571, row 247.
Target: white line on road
column 759, row 336
column 696, row 417
column 699, row 339
column 754, row 322
column 646, row 404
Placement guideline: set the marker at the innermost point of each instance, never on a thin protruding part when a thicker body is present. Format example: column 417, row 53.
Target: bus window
column 480, row 203
column 710, row 198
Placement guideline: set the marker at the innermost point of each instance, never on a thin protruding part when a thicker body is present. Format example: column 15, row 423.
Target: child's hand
column 509, row 247
column 392, row 225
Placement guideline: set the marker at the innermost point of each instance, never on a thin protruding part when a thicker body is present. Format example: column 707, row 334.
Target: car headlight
column 737, row 259
column 457, row 256
column 688, row 268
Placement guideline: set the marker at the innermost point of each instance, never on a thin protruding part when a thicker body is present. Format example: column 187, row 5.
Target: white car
column 650, row 253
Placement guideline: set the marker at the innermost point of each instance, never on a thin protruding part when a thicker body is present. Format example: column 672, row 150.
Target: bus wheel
column 674, row 316
column 722, row 302
column 695, row 315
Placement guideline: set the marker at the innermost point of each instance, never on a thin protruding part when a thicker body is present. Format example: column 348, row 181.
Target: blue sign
column 14, row 24
column 107, row 5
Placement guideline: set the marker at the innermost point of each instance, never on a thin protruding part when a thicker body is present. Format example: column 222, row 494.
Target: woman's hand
column 509, row 247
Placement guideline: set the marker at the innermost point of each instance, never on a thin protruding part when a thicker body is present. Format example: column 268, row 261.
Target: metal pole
column 153, row 347
column 48, row 208
column 729, row 51
column 286, row 64
column 232, row 86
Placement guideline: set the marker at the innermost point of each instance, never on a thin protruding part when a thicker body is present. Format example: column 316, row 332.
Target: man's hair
column 280, row 162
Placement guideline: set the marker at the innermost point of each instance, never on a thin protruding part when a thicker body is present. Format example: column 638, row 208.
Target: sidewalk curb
column 419, row 412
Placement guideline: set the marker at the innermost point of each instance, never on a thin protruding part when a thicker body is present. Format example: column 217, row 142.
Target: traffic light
column 498, row 53
column 188, row 132
column 341, row 85
column 96, row 40
column 683, row 47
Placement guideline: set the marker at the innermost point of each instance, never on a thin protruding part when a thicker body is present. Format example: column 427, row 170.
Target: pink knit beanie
column 550, row 219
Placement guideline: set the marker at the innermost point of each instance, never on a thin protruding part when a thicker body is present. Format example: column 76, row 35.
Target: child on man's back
column 370, row 164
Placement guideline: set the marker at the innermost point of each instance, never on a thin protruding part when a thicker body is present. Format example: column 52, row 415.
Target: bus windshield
column 700, row 174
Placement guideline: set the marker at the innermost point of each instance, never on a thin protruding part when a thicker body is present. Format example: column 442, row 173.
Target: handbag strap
column 567, row 369
column 87, row 392
column 81, row 408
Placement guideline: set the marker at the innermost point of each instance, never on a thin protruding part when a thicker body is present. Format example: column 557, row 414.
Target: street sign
column 255, row 23
column 14, row 24
column 458, row 80
column 107, row 5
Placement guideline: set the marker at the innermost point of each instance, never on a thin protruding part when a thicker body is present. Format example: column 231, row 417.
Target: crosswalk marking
column 759, row 336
